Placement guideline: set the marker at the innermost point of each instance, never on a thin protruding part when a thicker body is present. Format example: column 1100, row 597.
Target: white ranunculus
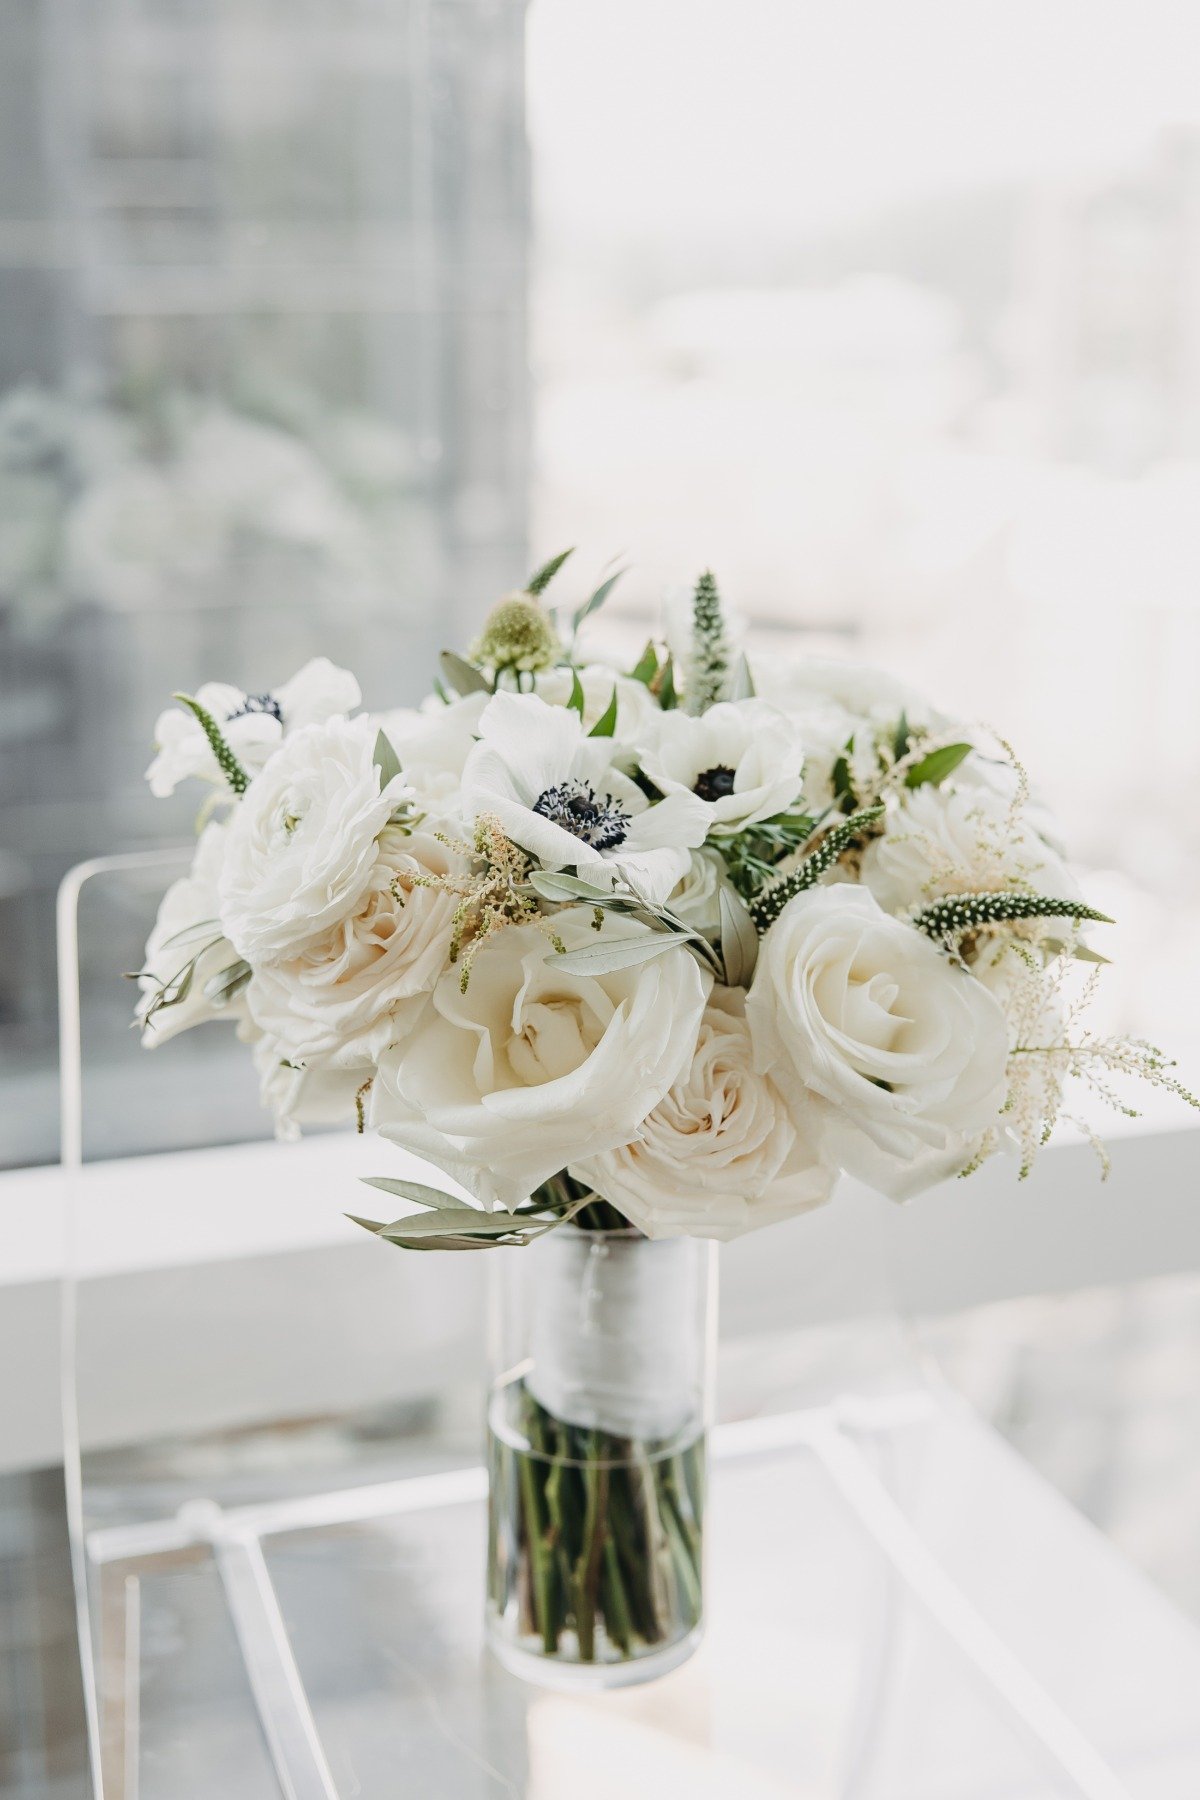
column 873, row 1033
column 696, row 896
column 361, row 987
column 503, row 1085
column 957, row 839
column 253, row 725
column 188, row 929
column 302, row 843
column 743, row 758
column 557, row 794
column 719, row 1154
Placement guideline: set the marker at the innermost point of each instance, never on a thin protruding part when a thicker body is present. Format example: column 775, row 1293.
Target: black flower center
column 259, row 703
column 714, row 784
column 596, row 821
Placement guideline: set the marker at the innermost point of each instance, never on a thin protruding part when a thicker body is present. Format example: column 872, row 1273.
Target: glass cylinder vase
column 603, row 1349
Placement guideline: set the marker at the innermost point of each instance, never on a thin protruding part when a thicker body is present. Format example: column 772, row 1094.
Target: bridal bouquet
column 665, row 947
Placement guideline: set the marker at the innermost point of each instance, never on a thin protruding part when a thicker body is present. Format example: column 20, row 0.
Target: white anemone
column 556, row 793
column 253, row 725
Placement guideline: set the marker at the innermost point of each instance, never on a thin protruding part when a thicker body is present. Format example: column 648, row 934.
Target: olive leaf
column 609, row 955
column 463, row 676
column 385, row 760
column 739, row 938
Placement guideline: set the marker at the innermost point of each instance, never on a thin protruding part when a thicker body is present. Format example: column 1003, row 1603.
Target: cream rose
column 719, row 1154
column 187, row 930
column 877, row 1037
column 302, row 848
column 532, row 1067
column 958, row 840
column 351, row 993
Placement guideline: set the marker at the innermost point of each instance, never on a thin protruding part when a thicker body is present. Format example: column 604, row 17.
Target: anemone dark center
column 259, row 703
column 596, row 820
column 715, row 784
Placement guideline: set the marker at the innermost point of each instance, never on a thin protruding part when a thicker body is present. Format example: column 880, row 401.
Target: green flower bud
column 517, row 635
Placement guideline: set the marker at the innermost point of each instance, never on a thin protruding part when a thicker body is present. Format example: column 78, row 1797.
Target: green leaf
column 739, row 939
column 463, row 676
column 607, row 723
column 596, row 601
column 412, row 1190
column 1085, row 953
column 575, row 703
column 668, row 699
column 843, row 781
column 901, row 739
column 385, row 760
column 607, row 956
column 454, row 1221
column 540, row 581
column 935, row 767
column 554, row 884
column 646, row 666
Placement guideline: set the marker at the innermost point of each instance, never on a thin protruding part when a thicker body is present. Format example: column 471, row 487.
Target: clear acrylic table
column 899, row 1608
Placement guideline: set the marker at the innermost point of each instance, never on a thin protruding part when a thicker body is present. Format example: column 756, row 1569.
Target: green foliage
column 462, row 677
column 957, row 914
column 228, row 763
column 386, row 760
column 646, row 666
column 595, row 601
column 768, row 905
column 751, row 856
column 540, row 581
column 606, row 724
column 934, row 768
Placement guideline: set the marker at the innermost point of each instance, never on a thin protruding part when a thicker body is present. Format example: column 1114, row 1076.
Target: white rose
column 253, row 725
column 188, row 931
column 956, row 839
column 696, row 896
column 719, row 1154
column 742, row 758
column 533, row 1067
column 873, row 1033
column 301, row 848
column 351, row 993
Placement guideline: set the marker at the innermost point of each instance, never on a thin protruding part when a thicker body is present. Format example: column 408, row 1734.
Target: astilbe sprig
column 1051, row 1045
column 491, row 895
